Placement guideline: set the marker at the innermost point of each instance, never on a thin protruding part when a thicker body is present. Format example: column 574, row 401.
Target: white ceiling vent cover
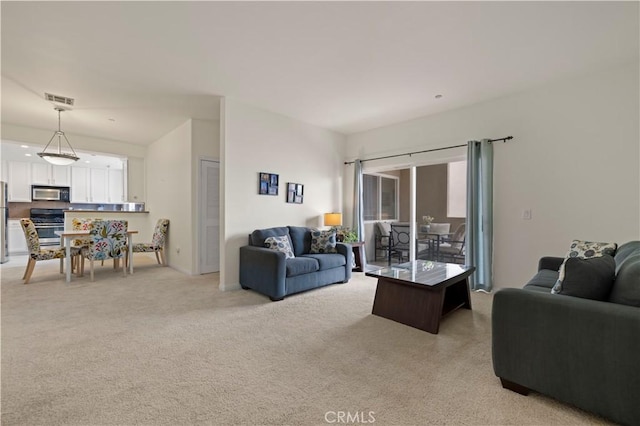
column 59, row 99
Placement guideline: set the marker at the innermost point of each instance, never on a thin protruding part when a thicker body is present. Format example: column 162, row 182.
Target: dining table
column 433, row 241
column 65, row 242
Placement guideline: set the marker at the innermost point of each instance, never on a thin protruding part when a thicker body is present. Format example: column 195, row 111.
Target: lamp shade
column 333, row 219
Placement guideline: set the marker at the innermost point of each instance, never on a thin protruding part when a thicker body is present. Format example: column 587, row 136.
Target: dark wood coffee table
column 421, row 293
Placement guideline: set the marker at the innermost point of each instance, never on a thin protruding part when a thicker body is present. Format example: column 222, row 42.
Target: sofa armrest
column 580, row 351
column 549, row 262
column 346, row 250
column 263, row 270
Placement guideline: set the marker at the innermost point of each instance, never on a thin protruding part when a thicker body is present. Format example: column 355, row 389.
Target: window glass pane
column 388, row 199
column 370, row 197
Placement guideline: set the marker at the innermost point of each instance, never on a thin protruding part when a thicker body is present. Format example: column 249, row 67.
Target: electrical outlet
column 526, row 214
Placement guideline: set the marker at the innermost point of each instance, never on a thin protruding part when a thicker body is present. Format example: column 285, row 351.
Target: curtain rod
column 427, row 150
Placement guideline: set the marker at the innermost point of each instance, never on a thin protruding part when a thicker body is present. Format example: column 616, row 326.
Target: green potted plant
column 346, row 235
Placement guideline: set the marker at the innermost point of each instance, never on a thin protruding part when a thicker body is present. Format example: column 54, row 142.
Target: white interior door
column 210, row 216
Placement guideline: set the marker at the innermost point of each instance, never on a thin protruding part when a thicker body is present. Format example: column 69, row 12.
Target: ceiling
column 139, row 69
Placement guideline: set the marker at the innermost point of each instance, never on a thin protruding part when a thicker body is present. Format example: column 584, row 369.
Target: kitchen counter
column 101, row 211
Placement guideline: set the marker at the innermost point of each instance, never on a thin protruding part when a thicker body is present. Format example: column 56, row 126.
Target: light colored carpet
column 160, row 347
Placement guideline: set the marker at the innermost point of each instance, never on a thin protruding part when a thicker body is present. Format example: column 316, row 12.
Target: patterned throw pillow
column 583, row 250
column 280, row 244
column 323, row 241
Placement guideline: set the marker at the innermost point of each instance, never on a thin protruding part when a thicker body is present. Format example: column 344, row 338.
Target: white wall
column 254, row 141
column 170, row 195
column 574, row 162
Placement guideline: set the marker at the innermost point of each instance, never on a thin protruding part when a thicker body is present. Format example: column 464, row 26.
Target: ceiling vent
column 59, row 99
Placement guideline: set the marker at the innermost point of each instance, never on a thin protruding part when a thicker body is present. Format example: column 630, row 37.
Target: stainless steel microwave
column 50, row 193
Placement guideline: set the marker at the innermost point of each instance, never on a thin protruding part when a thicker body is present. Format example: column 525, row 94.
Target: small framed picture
column 295, row 193
column 267, row 183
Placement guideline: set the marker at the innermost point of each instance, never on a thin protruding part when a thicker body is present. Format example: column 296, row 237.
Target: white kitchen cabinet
column 5, row 171
column 49, row 174
column 93, row 185
column 19, row 181
column 79, row 185
column 60, row 175
column 16, row 242
column 116, row 186
column 99, row 185
column 135, row 180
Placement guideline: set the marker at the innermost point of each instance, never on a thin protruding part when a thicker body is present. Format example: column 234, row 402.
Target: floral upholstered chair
column 108, row 240
column 36, row 253
column 157, row 243
column 81, row 224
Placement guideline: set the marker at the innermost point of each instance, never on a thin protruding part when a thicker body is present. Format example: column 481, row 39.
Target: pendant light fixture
column 59, row 158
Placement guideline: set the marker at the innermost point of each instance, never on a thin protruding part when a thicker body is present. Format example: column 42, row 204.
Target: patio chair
column 452, row 250
column 382, row 235
column 399, row 241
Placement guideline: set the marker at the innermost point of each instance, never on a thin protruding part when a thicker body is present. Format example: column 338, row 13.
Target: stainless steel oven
column 47, row 221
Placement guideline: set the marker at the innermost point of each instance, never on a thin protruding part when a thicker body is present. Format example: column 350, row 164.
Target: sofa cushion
column 301, row 265
column 624, row 251
column 280, row 243
column 583, row 250
column 328, row 260
column 301, row 239
column 626, row 287
column 545, row 278
column 323, row 241
column 259, row 235
column 589, row 278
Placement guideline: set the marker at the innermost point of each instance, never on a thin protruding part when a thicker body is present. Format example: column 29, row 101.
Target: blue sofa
column 268, row 272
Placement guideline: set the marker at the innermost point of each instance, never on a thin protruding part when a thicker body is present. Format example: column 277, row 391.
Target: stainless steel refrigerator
column 4, row 211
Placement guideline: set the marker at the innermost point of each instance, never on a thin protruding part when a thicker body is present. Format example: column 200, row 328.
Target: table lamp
column 333, row 219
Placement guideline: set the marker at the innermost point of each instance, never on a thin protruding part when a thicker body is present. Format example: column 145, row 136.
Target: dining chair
column 37, row 253
column 82, row 224
column 157, row 242
column 107, row 240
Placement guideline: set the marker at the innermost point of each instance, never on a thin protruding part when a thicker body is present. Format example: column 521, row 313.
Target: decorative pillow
column 323, row 241
column 583, row 250
column 590, row 278
column 280, row 244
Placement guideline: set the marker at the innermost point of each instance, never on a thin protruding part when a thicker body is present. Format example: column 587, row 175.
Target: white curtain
column 479, row 230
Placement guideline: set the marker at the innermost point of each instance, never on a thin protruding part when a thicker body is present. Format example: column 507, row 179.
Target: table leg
column 67, row 246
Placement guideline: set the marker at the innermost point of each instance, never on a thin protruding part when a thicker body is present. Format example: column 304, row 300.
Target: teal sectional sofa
column 581, row 351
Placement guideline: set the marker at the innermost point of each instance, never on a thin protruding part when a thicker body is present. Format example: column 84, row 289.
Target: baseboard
column 229, row 287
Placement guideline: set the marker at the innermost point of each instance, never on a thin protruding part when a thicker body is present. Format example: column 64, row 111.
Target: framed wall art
column 295, row 193
column 268, row 184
